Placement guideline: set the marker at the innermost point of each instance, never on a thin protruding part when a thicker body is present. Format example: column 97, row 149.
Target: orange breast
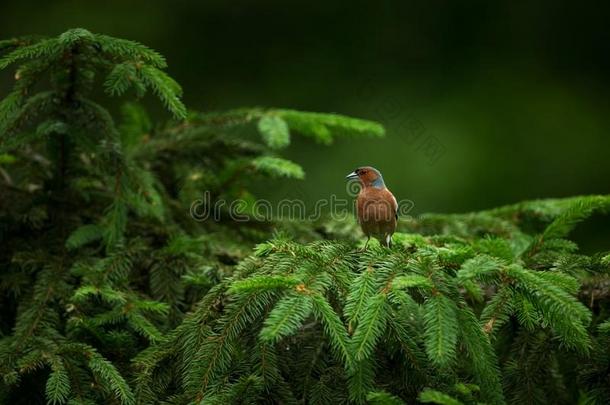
column 376, row 210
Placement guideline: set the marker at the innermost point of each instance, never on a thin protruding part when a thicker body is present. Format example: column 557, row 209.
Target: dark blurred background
column 485, row 103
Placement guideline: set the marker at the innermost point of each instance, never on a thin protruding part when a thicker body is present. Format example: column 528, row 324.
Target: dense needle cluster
column 111, row 293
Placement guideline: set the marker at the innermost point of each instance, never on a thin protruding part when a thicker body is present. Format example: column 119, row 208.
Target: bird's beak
column 351, row 176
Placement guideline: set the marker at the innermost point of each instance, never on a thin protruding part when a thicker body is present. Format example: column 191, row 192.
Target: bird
column 376, row 206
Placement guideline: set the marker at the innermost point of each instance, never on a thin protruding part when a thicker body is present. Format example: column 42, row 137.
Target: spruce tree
column 110, row 292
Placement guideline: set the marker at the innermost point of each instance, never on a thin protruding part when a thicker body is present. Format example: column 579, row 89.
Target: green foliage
column 83, row 235
column 322, row 126
column 287, row 316
column 58, row 384
column 441, row 329
column 99, row 262
column 429, row 396
column 383, row 398
column 111, row 293
column 407, row 311
column 277, row 167
column 274, row 131
column 275, row 125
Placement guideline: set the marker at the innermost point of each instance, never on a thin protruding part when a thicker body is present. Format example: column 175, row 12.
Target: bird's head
column 368, row 176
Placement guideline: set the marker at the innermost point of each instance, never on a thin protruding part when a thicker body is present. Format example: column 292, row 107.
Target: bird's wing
column 394, row 204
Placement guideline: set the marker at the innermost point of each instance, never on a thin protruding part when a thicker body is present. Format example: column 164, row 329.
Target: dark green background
column 515, row 95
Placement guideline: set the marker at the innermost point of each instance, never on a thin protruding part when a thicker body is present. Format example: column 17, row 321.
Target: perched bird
column 376, row 206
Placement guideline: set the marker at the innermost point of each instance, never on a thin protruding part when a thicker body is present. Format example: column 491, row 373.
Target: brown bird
column 376, row 206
